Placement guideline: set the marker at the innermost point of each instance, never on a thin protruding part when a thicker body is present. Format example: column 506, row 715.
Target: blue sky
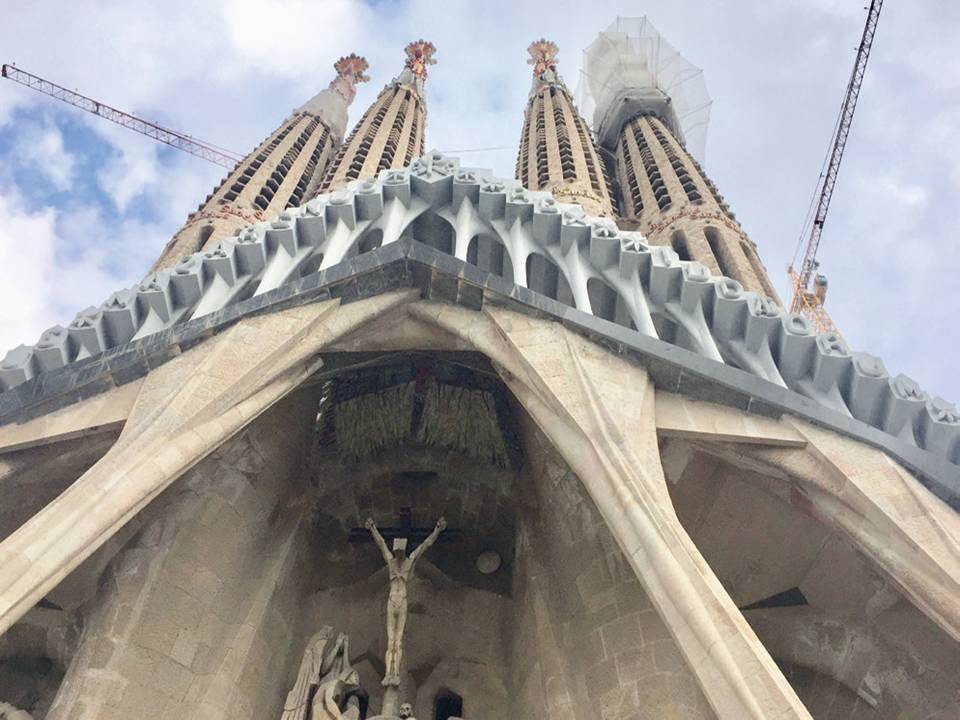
column 85, row 206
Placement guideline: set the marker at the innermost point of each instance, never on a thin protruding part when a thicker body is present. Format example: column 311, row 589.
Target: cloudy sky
column 85, row 205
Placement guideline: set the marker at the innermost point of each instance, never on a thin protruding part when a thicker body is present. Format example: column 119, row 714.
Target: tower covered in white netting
column 649, row 109
column 631, row 68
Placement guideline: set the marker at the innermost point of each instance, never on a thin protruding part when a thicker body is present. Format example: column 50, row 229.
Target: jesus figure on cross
column 401, row 568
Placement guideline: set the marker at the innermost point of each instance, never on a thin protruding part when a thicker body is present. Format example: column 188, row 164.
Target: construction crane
column 808, row 301
column 174, row 139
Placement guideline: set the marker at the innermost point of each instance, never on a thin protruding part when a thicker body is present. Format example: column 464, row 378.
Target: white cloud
column 41, row 148
column 26, row 271
column 289, row 36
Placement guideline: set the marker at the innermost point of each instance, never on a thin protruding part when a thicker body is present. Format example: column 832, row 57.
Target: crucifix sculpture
column 401, row 569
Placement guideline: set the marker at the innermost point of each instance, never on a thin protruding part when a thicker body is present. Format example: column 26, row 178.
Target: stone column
column 195, row 617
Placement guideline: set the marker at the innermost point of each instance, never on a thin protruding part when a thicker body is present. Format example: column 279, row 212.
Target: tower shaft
column 391, row 132
column 557, row 151
column 389, row 135
column 283, row 171
column 665, row 194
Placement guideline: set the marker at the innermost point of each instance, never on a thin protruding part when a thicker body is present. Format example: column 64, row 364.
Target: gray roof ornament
column 657, row 294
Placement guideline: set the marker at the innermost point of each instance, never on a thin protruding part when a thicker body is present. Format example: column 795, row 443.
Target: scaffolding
column 631, row 69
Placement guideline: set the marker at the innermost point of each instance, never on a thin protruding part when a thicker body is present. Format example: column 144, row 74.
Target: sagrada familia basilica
column 384, row 436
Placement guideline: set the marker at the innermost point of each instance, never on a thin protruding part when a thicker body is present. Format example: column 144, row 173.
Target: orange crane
column 808, row 301
column 174, row 139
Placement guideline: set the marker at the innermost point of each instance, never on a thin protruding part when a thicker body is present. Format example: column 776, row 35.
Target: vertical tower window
column 716, row 247
column 678, row 241
column 206, row 232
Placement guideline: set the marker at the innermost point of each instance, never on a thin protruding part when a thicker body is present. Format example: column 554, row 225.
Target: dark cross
column 414, row 535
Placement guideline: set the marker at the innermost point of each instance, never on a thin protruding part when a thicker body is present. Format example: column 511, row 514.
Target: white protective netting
column 631, row 56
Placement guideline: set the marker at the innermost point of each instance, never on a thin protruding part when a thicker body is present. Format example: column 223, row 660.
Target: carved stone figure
column 9, row 712
column 406, row 712
column 327, row 687
column 401, row 568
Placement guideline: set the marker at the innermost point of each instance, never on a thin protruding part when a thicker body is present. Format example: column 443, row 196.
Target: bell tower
column 557, row 152
column 390, row 133
column 283, row 171
column 650, row 110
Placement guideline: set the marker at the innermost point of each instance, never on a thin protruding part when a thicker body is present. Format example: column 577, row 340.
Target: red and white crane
column 178, row 140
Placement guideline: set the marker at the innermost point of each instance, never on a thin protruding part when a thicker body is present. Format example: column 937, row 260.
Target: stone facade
column 632, row 489
column 642, row 573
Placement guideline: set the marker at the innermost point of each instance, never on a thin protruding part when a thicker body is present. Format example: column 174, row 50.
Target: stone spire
column 331, row 104
column 665, row 194
column 557, row 152
column 391, row 132
column 284, row 170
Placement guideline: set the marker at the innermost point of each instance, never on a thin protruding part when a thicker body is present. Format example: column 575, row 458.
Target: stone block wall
column 587, row 643
column 192, row 619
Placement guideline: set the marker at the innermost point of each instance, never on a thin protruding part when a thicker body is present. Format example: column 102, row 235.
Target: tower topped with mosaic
column 391, row 131
column 283, row 171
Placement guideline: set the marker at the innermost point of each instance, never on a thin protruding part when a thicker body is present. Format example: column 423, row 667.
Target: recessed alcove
column 218, row 585
column 563, row 610
column 34, row 655
column 847, row 639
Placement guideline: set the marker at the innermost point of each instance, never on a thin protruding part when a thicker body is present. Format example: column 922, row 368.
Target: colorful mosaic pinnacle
column 543, row 56
column 351, row 67
column 419, row 55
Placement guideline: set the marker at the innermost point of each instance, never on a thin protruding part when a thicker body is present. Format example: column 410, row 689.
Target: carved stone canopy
column 547, row 254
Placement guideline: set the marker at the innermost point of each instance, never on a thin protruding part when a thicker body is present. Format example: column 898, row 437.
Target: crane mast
column 174, row 139
column 806, row 301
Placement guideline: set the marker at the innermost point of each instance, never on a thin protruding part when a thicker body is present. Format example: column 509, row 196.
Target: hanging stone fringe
column 370, row 423
column 463, row 420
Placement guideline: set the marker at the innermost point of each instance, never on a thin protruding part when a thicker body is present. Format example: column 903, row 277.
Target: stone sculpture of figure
column 9, row 712
column 406, row 712
column 401, row 568
column 327, row 687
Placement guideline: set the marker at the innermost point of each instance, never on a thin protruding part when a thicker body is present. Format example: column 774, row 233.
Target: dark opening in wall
column 714, row 241
column 679, row 243
column 433, row 230
column 370, row 241
column 206, row 232
column 488, row 254
column 544, row 277
column 447, row 705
